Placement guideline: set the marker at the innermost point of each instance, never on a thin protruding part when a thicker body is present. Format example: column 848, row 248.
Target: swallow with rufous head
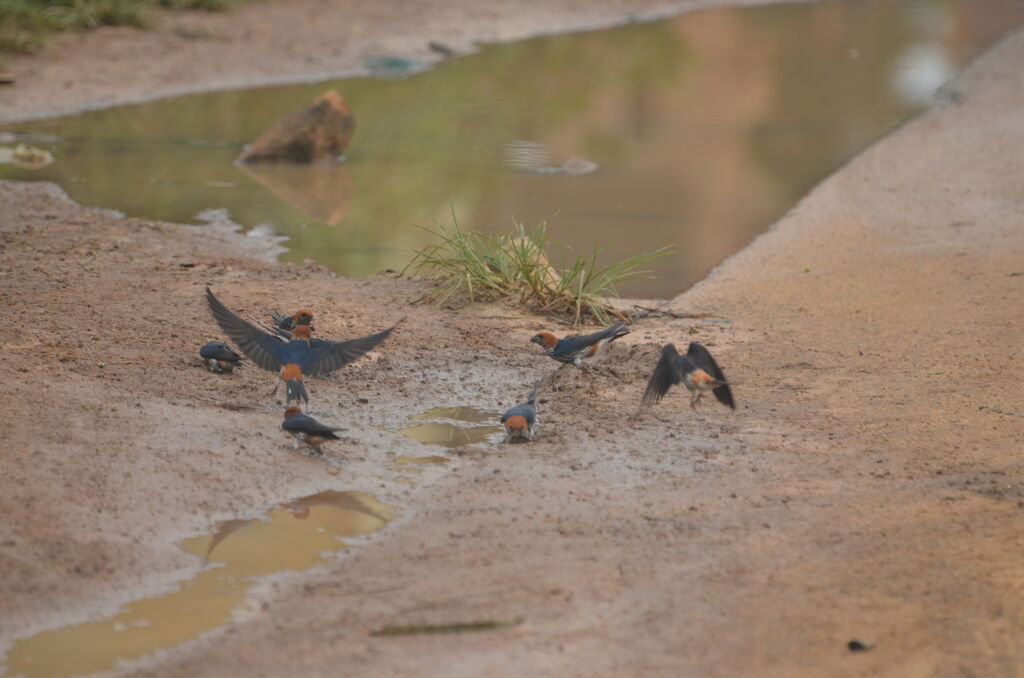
column 696, row 370
column 575, row 349
column 306, row 428
column 521, row 421
column 295, row 358
column 290, row 322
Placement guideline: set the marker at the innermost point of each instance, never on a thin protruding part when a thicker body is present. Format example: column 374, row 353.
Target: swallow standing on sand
column 219, row 357
column 300, row 356
column 290, row 322
column 575, row 349
column 697, row 370
column 306, row 428
column 521, row 421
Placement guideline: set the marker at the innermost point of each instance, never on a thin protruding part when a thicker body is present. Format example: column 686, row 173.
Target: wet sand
column 868, row 487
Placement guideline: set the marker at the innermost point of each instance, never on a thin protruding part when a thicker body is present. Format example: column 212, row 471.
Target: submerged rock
column 321, row 130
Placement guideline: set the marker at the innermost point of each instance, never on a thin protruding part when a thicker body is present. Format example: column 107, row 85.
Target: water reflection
column 448, row 435
column 444, row 426
column 295, row 536
column 474, row 415
column 706, row 128
column 323, row 191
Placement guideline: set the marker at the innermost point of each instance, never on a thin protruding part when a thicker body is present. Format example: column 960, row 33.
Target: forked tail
column 296, row 391
column 292, row 376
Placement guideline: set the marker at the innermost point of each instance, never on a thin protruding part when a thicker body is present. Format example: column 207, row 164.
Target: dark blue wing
column 571, row 346
column 301, row 423
column 328, row 356
column 218, row 350
column 666, row 375
column 263, row 349
column 702, row 357
column 283, row 322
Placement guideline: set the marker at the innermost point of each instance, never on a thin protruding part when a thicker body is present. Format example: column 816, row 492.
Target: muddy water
column 450, row 427
column 706, row 128
column 292, row 537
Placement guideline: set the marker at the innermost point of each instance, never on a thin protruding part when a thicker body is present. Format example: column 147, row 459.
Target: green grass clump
column 25, row 24
column 471, row 266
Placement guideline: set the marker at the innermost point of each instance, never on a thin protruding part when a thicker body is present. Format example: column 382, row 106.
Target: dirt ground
column 868, row 486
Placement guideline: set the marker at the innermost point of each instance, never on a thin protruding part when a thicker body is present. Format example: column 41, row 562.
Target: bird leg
column 695, row 398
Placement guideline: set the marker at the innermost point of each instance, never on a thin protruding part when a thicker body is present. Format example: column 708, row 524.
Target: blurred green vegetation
column 25, row 24
column 470, row 266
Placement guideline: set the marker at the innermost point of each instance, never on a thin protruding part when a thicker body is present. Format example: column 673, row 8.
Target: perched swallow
column 697, row 370
column 219, row 357
column 290, row 322
column 521, row 421
column 306, row 428
column 300, row 356
column 575, row 349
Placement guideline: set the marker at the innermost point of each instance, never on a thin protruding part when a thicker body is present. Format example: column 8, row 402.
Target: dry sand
column 869, row 485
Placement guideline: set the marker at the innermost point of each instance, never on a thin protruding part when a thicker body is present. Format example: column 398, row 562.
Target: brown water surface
column 443, row 426
column 706, row 128
column 293, row 537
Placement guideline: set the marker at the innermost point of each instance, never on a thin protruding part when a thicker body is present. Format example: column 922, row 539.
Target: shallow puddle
column 464, row 413
column 448, row 435
column 293, row 537
column 416, row 464
column 442, row 426
column 705, row 129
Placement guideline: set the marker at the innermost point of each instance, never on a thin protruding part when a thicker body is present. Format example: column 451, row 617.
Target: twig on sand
column 661, row 312
column 999, row 411
column 457, row 627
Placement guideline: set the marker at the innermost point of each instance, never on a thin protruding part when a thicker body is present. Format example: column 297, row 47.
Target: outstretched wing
column 260, row 347
column 666, row 375
column 702, row 357
column 328, row 356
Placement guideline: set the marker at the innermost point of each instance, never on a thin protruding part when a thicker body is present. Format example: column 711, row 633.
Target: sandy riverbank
column 868, row 487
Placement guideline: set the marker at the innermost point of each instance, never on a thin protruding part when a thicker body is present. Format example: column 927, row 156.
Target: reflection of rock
column 323, row 190
column 321, row 130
